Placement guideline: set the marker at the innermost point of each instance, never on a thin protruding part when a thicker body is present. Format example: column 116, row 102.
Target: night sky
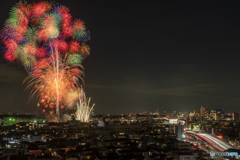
column 170, row 55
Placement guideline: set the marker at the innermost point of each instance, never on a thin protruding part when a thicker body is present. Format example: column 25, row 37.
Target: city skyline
column 148, row 55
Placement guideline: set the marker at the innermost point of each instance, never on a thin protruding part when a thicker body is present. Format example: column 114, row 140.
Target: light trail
column 56, row 68
column 214, row 141
column 218, row 141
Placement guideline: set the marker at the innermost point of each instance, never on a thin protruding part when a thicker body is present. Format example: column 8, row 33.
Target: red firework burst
column 67, row 31
column 10, row 56
column 17, row 37
column 25, row 10
column 39, row 9
column 43, row 63
column 66, row 18
column 23, row 21
column 41, row 52
column 78, row 25
column 65, row 24
column 37, row 72
column 11, row 45
column 63, row 10
column 55, row 43
column 62, row 46
column 74, row 46
column 75, row 71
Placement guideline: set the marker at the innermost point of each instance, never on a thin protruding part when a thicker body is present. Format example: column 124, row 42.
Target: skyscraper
column 203, row 111
column 218, row 114
column 235, row 116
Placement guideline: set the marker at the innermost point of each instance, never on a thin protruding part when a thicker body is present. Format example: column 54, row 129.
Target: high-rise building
column 191, row 114
column 218, row 114
column 235, row 116
column 191, row 119
column 180, row 131
column 176, row 129
column 203, row 111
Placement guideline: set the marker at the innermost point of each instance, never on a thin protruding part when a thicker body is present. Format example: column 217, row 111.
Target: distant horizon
column 196, row 111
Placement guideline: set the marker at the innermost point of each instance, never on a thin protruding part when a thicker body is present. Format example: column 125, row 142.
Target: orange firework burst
column 21, row 29
column 43, row 35
column 30, row 49
column 85, row 50
column 72, row 98
column 53, row 82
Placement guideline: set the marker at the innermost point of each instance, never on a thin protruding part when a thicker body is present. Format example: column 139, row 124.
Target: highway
column 214, row 142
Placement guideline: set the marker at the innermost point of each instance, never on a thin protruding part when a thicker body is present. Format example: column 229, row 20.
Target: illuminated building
column 235, row 116
column 203, row 111
column 14, row 120
column 218, row 114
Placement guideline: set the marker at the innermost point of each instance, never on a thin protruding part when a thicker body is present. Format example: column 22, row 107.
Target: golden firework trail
column 83, row 108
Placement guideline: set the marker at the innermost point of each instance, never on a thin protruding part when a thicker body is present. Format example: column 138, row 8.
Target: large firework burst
column 50, row 45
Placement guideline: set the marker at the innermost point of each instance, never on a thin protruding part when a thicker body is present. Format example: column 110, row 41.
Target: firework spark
column 83, row 108
column 51, row 80
column 51, row 48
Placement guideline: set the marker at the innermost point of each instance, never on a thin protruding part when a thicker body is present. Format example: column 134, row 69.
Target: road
column 214, row 142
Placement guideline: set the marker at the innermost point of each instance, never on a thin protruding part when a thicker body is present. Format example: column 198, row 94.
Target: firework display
column 32, row 30
column 83, row 108
column 51, row 46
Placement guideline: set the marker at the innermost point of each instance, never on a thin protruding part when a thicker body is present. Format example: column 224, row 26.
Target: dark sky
column 171, row 55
